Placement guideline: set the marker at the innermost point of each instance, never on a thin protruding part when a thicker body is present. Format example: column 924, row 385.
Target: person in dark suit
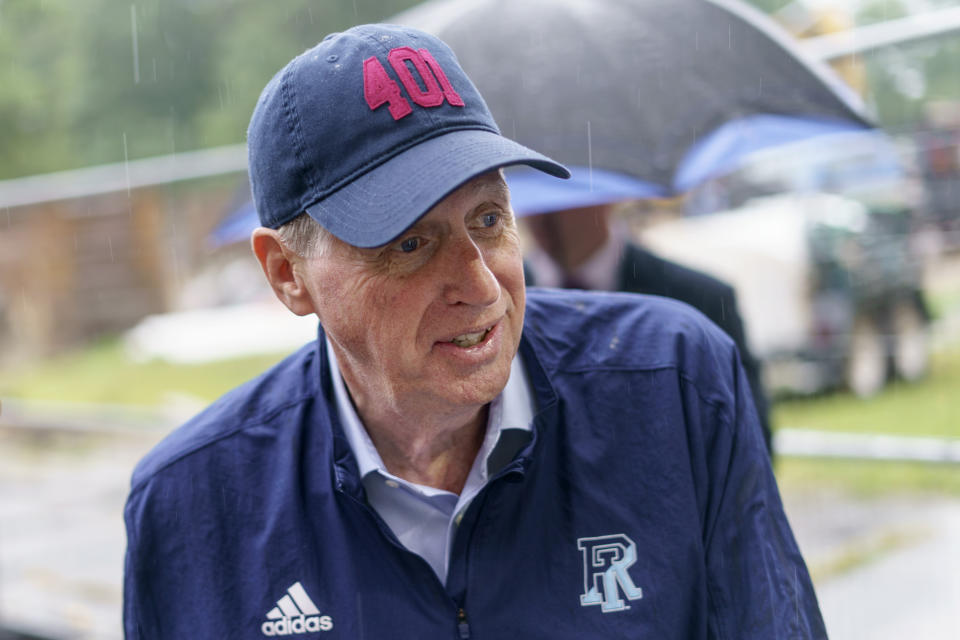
column 585, row 248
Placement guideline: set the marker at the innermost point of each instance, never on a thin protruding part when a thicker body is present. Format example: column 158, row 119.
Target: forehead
column 486, row 187
column 491, row 183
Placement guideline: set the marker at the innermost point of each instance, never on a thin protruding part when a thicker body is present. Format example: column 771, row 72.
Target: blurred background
column 129, row 298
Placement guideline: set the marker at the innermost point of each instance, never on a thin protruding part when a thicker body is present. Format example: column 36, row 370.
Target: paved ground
column 911, row 593
column 61, row 532
column 885, row 569
column 62, row 541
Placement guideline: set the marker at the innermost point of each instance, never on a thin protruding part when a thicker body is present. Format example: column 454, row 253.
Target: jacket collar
column 346, row 470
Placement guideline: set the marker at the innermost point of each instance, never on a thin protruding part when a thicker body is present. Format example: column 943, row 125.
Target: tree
column 903, row 78
column 97, row 81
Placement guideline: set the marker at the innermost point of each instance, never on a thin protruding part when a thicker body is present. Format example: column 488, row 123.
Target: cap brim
column 381, row 204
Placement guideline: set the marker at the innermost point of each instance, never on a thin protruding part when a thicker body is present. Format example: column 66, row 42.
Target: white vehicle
column 817, row 245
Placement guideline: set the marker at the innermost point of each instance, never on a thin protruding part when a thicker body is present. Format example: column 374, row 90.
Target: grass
column 866, row 479
column 102, row 373
column 942, row 303
column 930, row 407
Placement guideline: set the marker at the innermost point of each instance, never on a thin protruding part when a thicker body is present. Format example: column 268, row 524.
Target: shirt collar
column 512, row 409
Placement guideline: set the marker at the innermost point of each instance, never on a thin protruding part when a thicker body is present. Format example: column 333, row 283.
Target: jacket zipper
column 463, row 627
column 462, row 624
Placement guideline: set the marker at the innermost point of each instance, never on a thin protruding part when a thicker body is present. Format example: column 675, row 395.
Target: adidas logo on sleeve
column 294, row 614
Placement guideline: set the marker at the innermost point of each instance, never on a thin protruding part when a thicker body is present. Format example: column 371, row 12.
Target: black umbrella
column 641, row 87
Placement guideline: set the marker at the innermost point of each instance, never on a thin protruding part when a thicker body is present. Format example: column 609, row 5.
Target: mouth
column 472, row 339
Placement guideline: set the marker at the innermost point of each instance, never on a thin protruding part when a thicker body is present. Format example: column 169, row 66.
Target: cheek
column 387, row 310
column 507, row 263
column 511, row 279
column 343, row 301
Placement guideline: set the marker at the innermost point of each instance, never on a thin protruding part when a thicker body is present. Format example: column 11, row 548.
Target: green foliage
column 37, row 80
column 769, row 6
column 103, row 374
column 902, row 78
column 99, row 81
column 881, row 11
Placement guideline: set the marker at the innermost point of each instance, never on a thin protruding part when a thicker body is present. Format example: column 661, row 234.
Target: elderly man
column 452, row 457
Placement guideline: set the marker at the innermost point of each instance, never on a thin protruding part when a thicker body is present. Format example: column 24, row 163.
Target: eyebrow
column 492, row 189
column 499, row 187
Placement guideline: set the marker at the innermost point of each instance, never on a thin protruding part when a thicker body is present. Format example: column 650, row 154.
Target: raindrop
column 136, row 48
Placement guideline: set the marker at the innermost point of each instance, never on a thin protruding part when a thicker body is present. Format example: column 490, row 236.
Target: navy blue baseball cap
column 370, row 129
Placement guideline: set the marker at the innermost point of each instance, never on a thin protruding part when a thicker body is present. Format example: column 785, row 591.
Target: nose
column 467, row 275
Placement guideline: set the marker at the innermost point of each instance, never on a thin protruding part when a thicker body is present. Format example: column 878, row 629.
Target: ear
column 278, row 264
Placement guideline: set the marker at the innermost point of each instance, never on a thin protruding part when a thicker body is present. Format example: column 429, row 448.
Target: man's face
column 432, row 320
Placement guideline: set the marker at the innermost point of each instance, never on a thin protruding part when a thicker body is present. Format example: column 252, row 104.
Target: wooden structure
column 92, row 251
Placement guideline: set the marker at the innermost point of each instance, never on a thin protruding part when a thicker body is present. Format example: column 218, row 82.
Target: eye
column 490, row 219
column 408, row 245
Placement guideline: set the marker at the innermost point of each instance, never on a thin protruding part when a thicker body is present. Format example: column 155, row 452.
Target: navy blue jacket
column 643, row 507
column 642, row 271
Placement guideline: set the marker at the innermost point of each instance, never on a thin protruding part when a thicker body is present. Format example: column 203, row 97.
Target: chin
column 479, row 389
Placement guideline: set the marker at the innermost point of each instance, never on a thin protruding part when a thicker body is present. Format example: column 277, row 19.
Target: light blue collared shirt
column 424, row 518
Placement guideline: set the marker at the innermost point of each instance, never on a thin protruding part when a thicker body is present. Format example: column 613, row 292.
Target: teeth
column 470, row 339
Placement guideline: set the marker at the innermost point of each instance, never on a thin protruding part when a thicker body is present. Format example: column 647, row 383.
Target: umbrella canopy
column 639, row 98
column 641, row 87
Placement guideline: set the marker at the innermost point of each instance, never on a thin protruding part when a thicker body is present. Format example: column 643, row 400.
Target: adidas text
column 295, row 613
column 298, row 625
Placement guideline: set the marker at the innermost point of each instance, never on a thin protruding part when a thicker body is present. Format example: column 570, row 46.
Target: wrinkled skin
column 392, row 312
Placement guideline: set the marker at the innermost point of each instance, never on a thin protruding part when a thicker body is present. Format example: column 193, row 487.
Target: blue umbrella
column 533, row 192
column 235, row 227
